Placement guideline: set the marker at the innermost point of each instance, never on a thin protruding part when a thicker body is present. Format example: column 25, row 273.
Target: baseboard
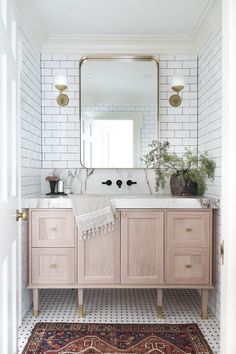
column 25, row 310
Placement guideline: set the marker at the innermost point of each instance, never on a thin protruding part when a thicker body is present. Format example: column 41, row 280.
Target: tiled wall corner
column 30, row 114
column 210, row 125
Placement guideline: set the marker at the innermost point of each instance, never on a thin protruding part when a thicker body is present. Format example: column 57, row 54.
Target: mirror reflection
column 118, row 110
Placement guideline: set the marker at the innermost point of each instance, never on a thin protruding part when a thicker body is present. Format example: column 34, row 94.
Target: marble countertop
column 134, row 201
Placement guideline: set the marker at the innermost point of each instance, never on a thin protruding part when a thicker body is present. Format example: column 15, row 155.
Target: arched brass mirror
column 119, row 110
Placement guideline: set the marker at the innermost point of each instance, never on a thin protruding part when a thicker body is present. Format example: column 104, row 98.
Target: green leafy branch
column 189, row 167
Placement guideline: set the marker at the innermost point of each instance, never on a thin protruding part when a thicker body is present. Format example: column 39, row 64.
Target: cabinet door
column 52, row 228
column 142, row 247
column 99, row 258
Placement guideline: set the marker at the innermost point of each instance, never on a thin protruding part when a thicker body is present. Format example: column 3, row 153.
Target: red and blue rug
column 88, row 338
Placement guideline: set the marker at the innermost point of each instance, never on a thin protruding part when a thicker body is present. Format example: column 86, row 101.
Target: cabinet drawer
column 188, row 266
column 188, row 229
column 53, row 266
column 51, row 228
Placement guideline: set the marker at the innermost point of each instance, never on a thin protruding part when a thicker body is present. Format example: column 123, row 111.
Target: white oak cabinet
column 148, row 248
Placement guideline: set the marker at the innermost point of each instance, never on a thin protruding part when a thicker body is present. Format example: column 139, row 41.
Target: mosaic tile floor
column 122, row 306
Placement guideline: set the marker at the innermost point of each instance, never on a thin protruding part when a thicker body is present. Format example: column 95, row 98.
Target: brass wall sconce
column 61, row 85
column 177, row 84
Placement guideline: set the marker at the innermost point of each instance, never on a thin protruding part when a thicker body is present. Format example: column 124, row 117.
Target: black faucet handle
column 108, row 182
column 119, row 183
column 129, row 182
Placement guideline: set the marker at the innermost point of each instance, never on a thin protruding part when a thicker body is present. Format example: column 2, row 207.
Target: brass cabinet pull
column 52, row 265
column 188, row 229
column 188, row 266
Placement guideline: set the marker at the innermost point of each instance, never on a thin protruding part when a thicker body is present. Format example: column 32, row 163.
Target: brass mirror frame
column 115, row 57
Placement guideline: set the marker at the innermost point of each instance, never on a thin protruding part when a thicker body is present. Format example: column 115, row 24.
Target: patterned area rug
column 49, row 338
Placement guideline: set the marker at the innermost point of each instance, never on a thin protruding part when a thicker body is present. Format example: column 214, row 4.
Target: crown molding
column 30, row 22
column 95, row 44
column 209, row 20
column 203, row 14
column 122, row 44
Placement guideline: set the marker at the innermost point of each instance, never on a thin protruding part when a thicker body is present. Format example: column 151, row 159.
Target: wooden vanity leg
column 159, row 304
column 204, row 304
column 80, row 303
column 35, row 302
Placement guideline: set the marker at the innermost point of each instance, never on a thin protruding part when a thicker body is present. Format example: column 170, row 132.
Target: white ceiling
column 121, row 17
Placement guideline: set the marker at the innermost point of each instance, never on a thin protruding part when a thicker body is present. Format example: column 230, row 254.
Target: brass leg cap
column 81, row 311
column 204, row 315
column 36, row 313
column 159, row 313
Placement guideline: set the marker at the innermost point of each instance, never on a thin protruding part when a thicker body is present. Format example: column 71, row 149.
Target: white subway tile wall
column 60, row 125
column 209, row 133
column 30, row 114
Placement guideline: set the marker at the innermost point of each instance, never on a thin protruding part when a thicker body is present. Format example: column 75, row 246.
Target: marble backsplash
column 89, row 181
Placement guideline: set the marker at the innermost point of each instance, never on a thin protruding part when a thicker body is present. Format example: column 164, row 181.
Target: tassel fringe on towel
column 94, row 214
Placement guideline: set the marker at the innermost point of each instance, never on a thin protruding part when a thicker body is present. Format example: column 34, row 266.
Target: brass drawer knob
column 188, row 266
column 188, row 229
column 52, row 265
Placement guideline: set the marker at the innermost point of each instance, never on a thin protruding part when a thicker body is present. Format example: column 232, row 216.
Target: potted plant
column 188, row 173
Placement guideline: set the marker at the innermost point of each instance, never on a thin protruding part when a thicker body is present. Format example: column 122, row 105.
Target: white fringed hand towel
column 94, row 214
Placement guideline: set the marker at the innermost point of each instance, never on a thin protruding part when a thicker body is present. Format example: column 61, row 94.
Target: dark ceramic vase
column 179, row 188
column 52, row 186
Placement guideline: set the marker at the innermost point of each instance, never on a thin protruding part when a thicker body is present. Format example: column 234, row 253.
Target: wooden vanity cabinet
column 154, row 248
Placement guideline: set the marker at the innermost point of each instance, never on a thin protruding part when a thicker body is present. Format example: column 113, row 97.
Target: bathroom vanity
column 150, row 247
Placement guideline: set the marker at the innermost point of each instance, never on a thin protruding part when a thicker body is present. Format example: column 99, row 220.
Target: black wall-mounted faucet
column 119, row 183
column 108, row 182
column 129, row 182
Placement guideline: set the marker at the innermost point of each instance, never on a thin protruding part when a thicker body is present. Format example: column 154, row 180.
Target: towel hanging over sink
column 94, row 214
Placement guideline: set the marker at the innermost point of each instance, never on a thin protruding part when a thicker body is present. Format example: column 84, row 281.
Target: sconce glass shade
column 61, row 82
column 177, row 83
